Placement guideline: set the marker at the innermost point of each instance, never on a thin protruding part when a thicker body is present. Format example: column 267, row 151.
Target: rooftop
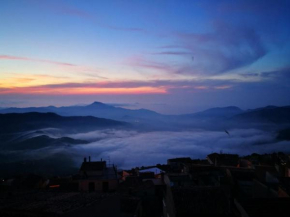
column 224, row 159
column 179, row 160
column 93, row 166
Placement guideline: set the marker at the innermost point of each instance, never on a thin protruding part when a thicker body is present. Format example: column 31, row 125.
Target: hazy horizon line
column 130, row 105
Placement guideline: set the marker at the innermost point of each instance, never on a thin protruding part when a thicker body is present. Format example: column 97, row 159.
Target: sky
column 169, row 56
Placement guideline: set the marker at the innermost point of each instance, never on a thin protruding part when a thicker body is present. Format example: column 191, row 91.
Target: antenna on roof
column 109, row 160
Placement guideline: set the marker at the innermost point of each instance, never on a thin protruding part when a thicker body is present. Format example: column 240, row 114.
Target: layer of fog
column 129, row 149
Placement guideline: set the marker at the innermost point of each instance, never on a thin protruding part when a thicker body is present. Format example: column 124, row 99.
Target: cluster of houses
column 227, row 185
column 224, row 185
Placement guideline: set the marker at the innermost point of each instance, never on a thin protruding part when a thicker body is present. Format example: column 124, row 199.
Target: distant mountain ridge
column 145, row 117
column 271, row 114
column 102, row 110
column 96, row 109
column 17, row 122
column 218, row 112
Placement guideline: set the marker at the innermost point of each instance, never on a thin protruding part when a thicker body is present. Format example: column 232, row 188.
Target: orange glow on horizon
column 83, row 90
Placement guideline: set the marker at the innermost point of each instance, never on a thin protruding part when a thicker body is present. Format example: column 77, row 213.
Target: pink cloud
column 201, row 87
column 223, row 87
column 86, row 71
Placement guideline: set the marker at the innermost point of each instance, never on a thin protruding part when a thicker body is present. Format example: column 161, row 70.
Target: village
column 220, row 185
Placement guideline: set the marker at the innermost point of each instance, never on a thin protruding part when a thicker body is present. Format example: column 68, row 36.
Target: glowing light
column 54, row 186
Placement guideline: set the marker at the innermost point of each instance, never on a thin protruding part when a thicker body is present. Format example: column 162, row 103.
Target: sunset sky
column 169, row 56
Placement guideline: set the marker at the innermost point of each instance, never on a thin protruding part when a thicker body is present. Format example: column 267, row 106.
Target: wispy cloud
column 84, row 70
column 201, row 87
column 277, row 78
column 158, row 68
column 8, row 57
column 119, row 87
column 223, row 87
column 280, row 74
column 12, row 80
column 226, row 48
column 142, row 62
column 172, row 53
column 67, row 9
column 93, row 75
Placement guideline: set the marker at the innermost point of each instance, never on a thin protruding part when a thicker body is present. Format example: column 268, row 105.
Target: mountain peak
column 99, row 105
column 219, row 112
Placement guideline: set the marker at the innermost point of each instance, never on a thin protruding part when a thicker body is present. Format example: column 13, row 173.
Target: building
column 223, row 159
column 194, row 200
column 97, row 176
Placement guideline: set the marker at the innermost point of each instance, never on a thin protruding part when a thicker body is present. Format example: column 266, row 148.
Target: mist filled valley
column 54, row 140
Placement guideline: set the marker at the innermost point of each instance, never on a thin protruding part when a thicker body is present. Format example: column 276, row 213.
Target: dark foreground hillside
column 222, row 185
